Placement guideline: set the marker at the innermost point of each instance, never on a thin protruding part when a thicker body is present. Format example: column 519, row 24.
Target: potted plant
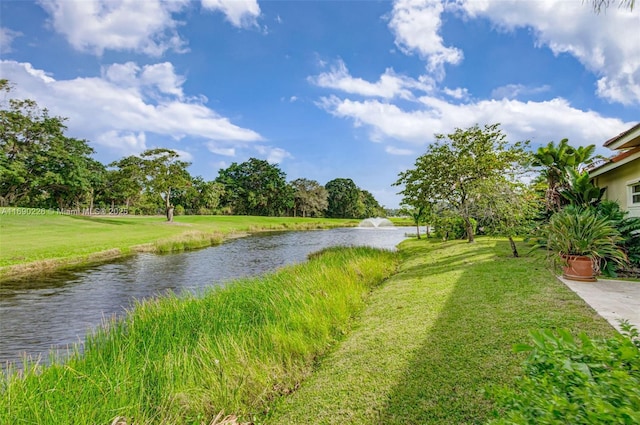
column 584, row 241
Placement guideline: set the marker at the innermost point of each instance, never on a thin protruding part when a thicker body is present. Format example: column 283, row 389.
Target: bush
column 452, row 227
column 178, row 210
column 629, row 229
column 576, row 381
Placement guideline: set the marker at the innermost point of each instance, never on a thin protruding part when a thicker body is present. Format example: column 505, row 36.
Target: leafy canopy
column 460, row 168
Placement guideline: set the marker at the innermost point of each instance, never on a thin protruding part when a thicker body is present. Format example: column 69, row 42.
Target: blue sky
column 325, row 89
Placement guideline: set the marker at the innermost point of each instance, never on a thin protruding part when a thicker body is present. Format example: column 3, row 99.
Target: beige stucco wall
column 617, row 183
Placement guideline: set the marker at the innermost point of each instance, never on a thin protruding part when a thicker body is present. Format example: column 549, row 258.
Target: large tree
column 310, row 198
column 125, row 181
column 510, row 211
column 165, row 174
column 68, row 173
column 368, row 206
column 202, row 197
column 39, row 165
column 460, row 168
column 256, row 187
column 343, row 198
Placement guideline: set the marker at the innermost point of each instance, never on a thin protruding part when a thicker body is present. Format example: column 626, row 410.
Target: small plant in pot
column 584, row 242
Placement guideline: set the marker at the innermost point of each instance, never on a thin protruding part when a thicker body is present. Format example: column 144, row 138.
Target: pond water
column 52, row 312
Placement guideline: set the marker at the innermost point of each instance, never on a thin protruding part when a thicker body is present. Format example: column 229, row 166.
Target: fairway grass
column 32, row 243
column 435, row 336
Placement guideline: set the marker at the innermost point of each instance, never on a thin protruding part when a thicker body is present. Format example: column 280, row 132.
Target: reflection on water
column 58, row 310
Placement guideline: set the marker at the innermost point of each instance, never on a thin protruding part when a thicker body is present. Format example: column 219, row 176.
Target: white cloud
column 163, row 77
column 273, row 155
column 389, row 85
column 607, row 44
column 416, row 26
column 539, row 122
column 512, row 91
column 218, row 149
column 458, row 93
column 241, row 13
column 398, row 151
column 118, row 109
column 96, row 25
column 127, row 142
column 184, row 155
column 154, row 80
column 6, row 38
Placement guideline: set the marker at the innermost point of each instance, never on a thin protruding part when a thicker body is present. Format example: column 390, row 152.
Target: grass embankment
column 429, row 341
column 38, row 240
column 435, row 336
column 181, row 360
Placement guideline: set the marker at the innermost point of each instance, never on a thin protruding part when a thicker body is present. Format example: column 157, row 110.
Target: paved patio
column 612, row 299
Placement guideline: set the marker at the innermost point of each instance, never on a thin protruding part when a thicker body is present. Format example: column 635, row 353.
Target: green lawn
column 435, row 336
column 49, row 240
column 422, row 350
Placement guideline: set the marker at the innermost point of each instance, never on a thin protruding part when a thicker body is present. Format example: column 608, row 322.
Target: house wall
column 618, row 183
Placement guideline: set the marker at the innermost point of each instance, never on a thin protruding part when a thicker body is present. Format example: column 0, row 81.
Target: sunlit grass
column 32, row 242
column 182, row 360
column 427, row 345
column 435, row 336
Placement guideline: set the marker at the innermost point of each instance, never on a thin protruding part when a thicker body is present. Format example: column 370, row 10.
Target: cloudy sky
column 325, row 89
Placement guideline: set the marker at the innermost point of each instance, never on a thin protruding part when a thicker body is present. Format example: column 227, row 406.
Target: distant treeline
column 40, row 167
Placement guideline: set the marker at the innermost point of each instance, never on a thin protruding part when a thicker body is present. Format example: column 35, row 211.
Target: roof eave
column 605, row 168
column 625, row 140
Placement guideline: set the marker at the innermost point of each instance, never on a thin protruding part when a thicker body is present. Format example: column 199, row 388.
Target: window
column 635, row 194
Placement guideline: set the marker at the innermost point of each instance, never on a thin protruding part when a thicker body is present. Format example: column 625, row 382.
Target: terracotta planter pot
column 578, row 267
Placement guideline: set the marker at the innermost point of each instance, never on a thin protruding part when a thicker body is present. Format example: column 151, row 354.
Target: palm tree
column 555, row 162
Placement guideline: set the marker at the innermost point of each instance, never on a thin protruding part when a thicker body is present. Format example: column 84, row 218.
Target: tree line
column 41, row 167
column 473, row 180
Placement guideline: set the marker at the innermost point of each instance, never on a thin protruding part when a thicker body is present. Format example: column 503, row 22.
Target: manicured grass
column 402, row 221
column 435, row 336
column 182, row 360
column 41, row 242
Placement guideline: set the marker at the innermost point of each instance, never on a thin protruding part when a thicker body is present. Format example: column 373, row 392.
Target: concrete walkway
column 612, row 299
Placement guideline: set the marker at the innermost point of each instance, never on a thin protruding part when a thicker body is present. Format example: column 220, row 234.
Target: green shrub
column 576, row 381
column 448, row 227
column 178, row 210
column 629, row 229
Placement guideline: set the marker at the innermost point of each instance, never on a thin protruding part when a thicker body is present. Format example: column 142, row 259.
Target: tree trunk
column 513, row 247
column 469, row 229
column 168, row 206
column 418, row 230
column 170, row 213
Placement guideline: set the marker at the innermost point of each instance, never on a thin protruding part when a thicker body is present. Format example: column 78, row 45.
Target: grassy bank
column 424, row 348
column 42, row 241
column 435, row 336
column 181, row 360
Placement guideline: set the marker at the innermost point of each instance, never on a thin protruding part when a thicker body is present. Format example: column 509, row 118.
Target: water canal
column 52, row 312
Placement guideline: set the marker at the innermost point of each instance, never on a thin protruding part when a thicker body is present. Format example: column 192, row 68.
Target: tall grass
column 184, row 359
column 187, row 241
